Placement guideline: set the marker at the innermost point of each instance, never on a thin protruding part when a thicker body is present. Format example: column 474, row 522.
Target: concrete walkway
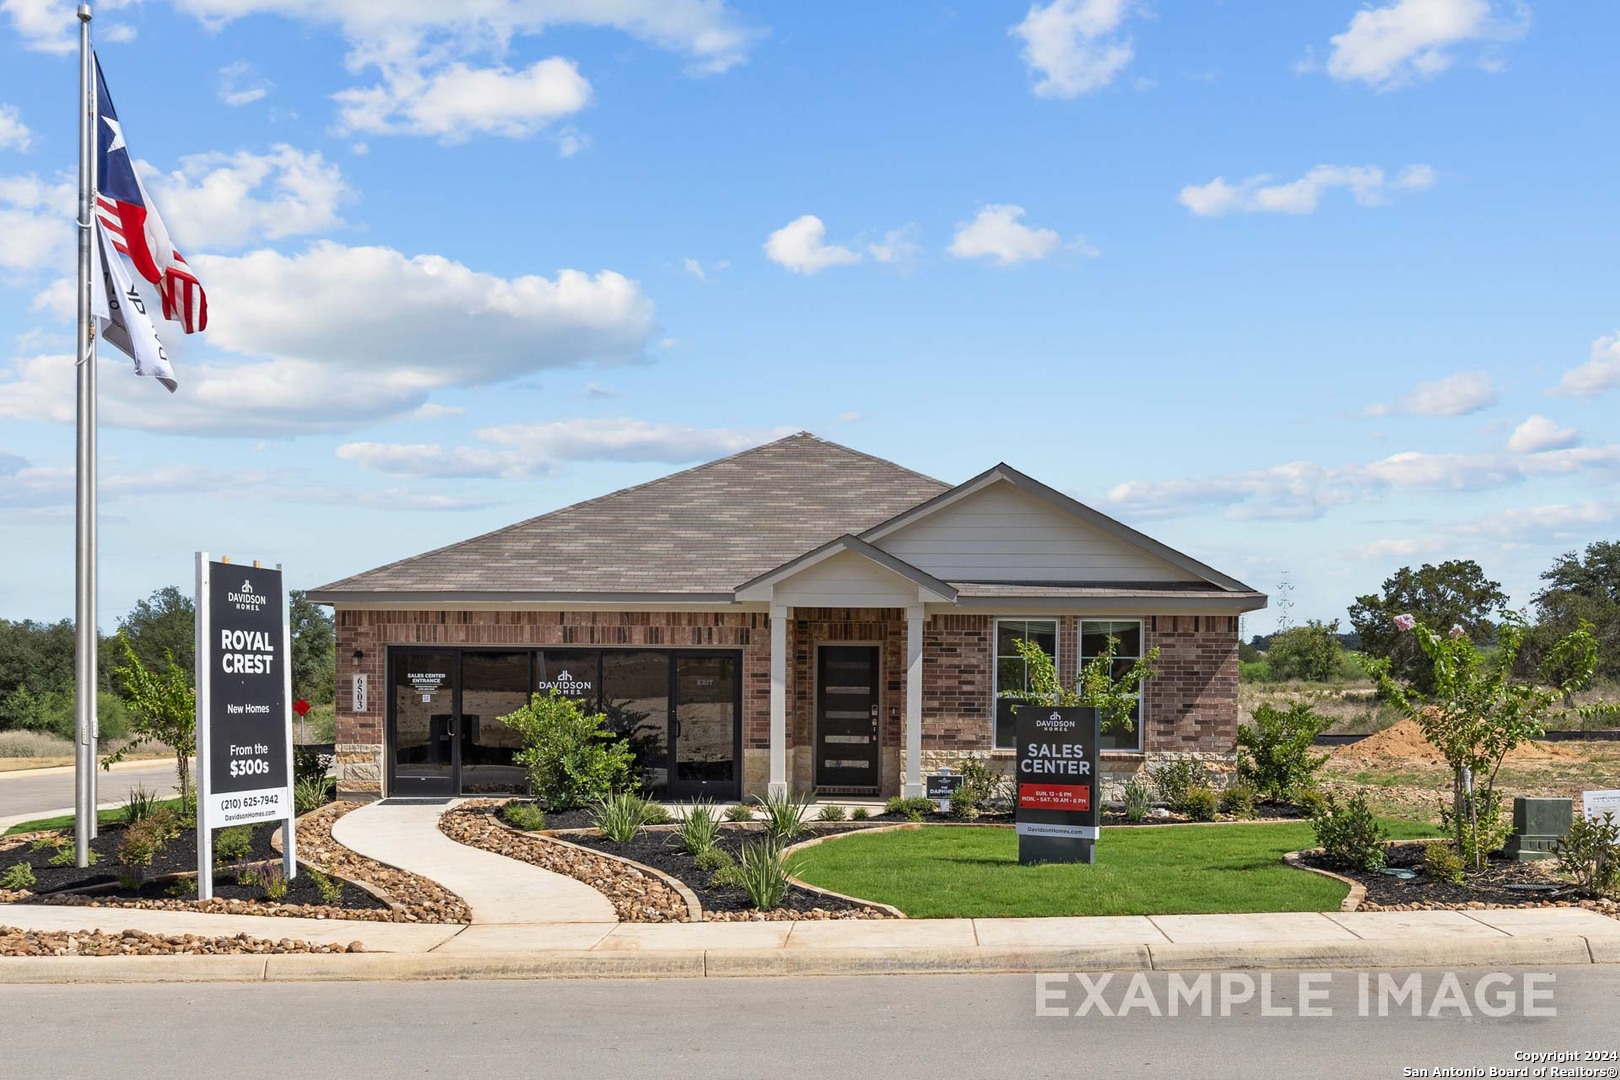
column 498, row 889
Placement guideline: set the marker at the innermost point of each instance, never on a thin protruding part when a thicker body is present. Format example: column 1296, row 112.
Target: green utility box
column 1538, row 824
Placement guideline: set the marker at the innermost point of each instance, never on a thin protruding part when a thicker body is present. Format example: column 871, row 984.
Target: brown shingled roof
column 700, row 531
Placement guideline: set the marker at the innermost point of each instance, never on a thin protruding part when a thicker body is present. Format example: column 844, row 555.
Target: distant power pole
column 1285, row 603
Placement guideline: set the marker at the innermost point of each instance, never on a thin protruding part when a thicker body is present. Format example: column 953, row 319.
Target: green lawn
column 65, row 821
column 965, row 872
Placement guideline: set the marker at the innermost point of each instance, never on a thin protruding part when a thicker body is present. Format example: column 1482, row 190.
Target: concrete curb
column 736, row 963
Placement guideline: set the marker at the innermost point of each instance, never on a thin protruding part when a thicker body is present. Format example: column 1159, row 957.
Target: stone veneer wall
column 360, row 735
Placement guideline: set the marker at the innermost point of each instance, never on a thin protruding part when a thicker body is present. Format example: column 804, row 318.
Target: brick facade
column 1190, row 705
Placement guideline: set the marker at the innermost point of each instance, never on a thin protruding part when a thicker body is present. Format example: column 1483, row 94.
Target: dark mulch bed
column 1488, row 886
column 658, row 848
column 177, row 857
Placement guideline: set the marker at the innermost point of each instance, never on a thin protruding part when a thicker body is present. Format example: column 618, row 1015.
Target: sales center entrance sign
column 1059, row 806
column 244, row 717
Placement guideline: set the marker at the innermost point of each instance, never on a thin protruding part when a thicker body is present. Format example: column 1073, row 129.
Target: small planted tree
column 1480, row 711
column 162, row 708
column 1277, row 752
column 572, row 757
column 1113, row 696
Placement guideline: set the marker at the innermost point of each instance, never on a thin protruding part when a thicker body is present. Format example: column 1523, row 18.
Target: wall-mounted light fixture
column 359, row 655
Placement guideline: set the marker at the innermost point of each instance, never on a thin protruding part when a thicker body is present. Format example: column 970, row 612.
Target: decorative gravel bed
column 15, row 942
column 636, row 897
column 657, row 847
column 1488, row 888
column 415, row 899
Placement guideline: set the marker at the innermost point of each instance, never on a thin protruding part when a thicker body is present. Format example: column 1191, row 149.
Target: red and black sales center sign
column 244, row 741
column 1058, row 807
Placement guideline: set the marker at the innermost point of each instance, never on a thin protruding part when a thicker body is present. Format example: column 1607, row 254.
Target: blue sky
column 1322, row 288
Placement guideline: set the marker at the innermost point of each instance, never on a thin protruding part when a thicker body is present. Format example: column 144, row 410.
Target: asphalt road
column 894, row 1027
column 40, row 792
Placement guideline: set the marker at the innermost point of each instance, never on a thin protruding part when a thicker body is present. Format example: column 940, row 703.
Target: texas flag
column 133, row 222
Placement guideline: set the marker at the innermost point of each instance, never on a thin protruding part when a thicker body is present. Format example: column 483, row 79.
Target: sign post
column 244, row 719
column 1057, row 811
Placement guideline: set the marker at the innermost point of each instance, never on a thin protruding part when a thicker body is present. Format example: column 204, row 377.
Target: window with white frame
column 1012, row 672
column 1127, row 635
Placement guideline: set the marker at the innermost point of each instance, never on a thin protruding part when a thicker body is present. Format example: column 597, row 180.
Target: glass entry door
column 703, row 727
column 423, row 708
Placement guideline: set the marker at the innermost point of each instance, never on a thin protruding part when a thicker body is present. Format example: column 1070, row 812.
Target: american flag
column 134, row 225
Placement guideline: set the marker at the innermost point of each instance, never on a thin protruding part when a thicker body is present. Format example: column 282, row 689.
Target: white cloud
column 800, row 247
column 1541, row 524
column 695, row 268
column 538, row 449
column 338, row 336
column 434, row 411
column 1302, row 489
column 215, row 201
column 241, row 84
column 1600, row 372
column 51, row 25
column 897, row 248
column 1073, row 47
column 597, row 392
column 571, row 141
column 998, row 234
column 1539, row 433
column 1455, row 395
column 14, row 134
column 1410, row 40
column 1367, row 184
column 1401, row 548
column 36, row 222
column 458, row 101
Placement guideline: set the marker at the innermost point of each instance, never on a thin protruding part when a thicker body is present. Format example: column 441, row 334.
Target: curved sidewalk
column 498, row 889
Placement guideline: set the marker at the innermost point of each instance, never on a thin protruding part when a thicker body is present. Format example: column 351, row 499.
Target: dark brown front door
column 847, row 716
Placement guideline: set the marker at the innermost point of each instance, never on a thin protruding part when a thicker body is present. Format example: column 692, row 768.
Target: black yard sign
column 1058, row 806
column 244, row 707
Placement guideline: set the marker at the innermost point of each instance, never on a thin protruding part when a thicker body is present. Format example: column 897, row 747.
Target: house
column 800, row 615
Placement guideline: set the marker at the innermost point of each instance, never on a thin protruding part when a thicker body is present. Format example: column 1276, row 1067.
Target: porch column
column 779, row 663
column 914, row 700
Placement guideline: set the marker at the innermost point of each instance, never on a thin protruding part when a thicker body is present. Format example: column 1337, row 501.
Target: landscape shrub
column 761, row 874
column 1277, row 753
column 987, row 786
column 739, row 812
column 311, row 793
column 311, row 763
column 964, row 803
column 273, row 880
column 572, row 758
column 657, row 814
column 1487, row 835
column 1442, row 863
column 1349, row 834
column 1310, row 801
column 1238, row 799
column 1138, row 799
column 331, row 891
column 1590, row 854
column 916, row 808
column 1176, row 777
column 67, row 856
column 699, row 830
column 831, row 812
column 860, row 813
column 233, row 843
column 1200, row 803
column 18, row 876
column 523, row 815
column 784, row 814
column 621, row 815
column 138, row 805
column 142, row 842
column 721, row 868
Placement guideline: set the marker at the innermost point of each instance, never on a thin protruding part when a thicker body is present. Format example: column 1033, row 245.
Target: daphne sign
column 244, row 700
column 1058, row 809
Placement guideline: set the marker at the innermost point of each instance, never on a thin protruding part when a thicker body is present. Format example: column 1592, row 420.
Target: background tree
column 161, row 628
column 314, row 650
column 1454, row 593
column 1580, row 588
column 1311, row 652
column 1113, row 695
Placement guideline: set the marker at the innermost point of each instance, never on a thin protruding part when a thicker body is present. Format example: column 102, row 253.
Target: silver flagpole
column 84, row 612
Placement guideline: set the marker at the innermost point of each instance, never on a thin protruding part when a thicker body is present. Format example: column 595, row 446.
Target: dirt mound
column 1403, row 743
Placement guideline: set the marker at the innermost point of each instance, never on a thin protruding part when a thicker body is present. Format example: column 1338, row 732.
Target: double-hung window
column 1127, row 637
column 1012, row 672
